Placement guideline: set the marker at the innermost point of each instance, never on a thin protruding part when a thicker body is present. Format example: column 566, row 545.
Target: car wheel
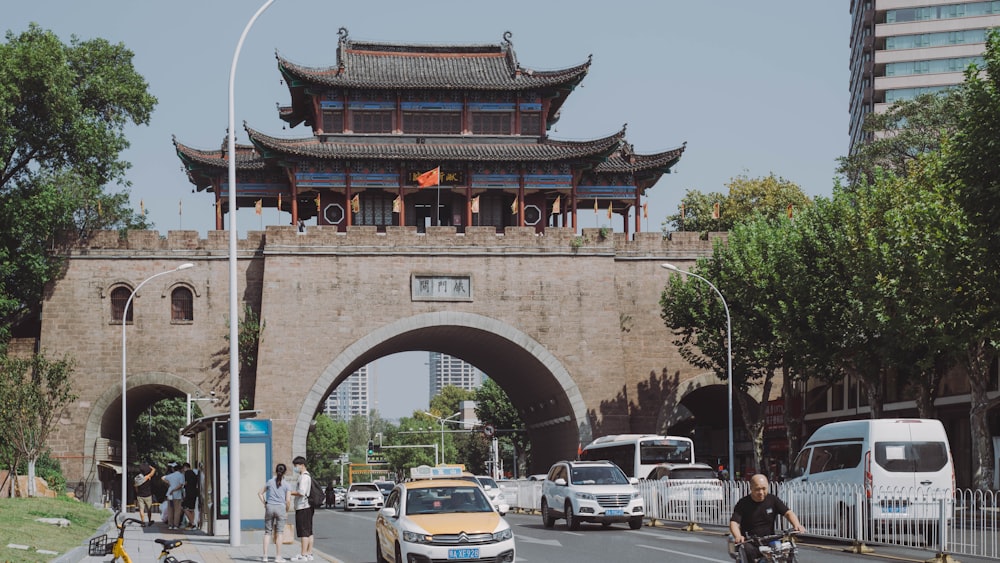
column 572, row 522
column 378, row 551
column 548, row 520
column 398, row 554
column 635, row 522
column 346, row 509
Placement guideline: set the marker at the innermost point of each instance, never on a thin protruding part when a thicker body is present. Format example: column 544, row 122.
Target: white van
column 897, row 469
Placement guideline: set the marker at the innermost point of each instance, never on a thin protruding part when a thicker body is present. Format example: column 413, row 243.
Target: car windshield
column 385, row 487
column 601, row 475
column 364, row 489
column 487, row 482
column 445, row 499
column 693, row 473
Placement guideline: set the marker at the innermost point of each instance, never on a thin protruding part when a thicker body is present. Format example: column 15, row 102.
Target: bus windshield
column 665, row 451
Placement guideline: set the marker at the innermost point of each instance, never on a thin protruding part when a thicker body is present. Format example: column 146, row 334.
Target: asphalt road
column 351, row 538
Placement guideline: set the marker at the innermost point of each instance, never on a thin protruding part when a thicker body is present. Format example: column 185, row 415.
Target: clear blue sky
column 752, row 87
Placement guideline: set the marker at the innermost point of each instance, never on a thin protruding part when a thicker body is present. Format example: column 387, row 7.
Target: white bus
column 637, row 454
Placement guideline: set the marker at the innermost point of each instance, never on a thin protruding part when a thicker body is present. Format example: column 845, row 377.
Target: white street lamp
column 124, row 446
column 729, row 354
column 443, row 420
column 234, row 363
column 184, row 439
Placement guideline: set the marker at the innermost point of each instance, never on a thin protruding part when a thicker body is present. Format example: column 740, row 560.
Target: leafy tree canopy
column 63, row 112
column 769, row 196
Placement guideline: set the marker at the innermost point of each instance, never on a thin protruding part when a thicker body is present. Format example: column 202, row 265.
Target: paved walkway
column 198, row 546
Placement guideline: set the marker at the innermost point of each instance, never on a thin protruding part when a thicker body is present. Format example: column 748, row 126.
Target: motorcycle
column 777, row 548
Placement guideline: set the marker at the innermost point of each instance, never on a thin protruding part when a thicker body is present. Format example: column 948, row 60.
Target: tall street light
column 729, row 354
column 443, row 420
column 234, row 363
column 124, row 448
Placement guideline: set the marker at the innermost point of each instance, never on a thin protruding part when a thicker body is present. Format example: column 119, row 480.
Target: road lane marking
column 671, row 537
column 683, row 553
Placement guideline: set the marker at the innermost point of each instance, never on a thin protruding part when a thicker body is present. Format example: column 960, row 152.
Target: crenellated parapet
column 367, row 239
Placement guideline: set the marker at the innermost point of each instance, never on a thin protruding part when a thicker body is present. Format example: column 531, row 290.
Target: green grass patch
column 18, row 526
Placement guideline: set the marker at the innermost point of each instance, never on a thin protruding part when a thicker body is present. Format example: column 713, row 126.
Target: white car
column 441, row 520
column 685, row 489
column 363, row 495
column 494, row 493
column 590, row 491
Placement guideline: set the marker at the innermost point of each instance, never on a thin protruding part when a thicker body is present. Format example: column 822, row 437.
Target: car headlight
column 584, row 496
column 499, row 498
column 636, row 495
column 502, row 535
column 414, row 537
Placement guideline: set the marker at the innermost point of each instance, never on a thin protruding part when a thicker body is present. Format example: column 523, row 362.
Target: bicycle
column 776, row 548
column 100, row 546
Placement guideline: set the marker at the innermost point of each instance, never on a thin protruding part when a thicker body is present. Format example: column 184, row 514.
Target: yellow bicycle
column 100, row 546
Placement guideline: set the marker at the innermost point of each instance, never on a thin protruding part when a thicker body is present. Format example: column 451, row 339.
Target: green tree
column 327, row 439
column 34, row 393
column 63, row 112
column 908, row 129
column 696, row 214
column 448, row 401
column 412, row 431
column 493, row 407
column 769, row 196
column 154, row 434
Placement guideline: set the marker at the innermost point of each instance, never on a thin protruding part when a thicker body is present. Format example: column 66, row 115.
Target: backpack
column 316, row 496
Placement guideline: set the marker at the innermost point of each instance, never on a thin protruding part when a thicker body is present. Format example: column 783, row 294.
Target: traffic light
column 371, row 447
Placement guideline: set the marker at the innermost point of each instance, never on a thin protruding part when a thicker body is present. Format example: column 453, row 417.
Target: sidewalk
column 198, row 546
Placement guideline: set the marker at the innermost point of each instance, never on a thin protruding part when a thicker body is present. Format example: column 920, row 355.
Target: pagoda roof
column 625, row 160
column 438, row 149
column 362, row 64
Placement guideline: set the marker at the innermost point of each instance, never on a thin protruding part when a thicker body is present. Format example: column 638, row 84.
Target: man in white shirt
column 303, row 511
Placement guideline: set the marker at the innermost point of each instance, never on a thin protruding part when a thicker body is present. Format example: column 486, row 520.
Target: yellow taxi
column 441, row 519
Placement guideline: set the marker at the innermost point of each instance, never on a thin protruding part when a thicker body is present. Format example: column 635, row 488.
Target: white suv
column 590, row 491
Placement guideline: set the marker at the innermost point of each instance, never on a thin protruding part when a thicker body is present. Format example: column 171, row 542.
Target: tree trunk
column 755, row 425
column 978, row 362
column 793, row 420
column 32, row 487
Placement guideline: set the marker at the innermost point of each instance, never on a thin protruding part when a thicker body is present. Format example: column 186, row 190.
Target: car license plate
column 614, row 512
column 366, row 502
column 894, row 508
column 464, row 553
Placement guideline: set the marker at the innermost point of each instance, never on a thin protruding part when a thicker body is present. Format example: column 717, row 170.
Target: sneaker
column 309, row 557
column 264, row 559
column 191, row 527
column 280, row 560
column 300, row 557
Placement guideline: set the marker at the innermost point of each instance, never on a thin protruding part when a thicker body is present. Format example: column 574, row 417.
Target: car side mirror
column 560, row 481
column 633, row 480
column 487, row 487
column 389, row 512
column 503, row 509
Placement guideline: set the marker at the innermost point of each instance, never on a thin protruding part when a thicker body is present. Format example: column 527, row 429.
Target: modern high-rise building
column 350, row 398
column 902, row 48
column 447, row 370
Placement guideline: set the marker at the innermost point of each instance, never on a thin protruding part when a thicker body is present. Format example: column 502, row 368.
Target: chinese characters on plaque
column 441, row 288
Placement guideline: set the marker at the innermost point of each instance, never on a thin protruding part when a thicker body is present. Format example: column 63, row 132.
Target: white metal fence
column 965, row 522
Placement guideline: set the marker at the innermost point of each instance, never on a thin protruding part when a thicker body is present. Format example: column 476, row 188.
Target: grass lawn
column 18, row 526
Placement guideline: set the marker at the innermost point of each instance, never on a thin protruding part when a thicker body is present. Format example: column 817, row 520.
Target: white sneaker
column 309, row 557
column 264, row 559
column 280, row 560
column 300, row 557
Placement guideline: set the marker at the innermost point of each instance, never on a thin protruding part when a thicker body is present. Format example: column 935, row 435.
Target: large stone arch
column 480, row 341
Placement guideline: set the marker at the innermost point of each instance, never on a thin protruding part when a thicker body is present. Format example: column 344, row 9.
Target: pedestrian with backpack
column 303, row 510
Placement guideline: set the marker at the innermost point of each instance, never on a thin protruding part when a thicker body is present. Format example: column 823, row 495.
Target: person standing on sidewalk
column 191, row 494
column 175, row 494
column 277, row 498
column 144, row 493
column 303, row 511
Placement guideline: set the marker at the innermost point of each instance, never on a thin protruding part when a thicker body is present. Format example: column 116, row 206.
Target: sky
column 753, row 88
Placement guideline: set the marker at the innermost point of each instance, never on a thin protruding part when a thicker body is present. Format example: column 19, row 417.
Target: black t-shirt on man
column 757, row 518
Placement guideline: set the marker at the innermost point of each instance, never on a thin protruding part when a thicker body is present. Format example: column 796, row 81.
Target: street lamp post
column 729, row 355
column 234, row 363
column 443, row 420
column 124, row 445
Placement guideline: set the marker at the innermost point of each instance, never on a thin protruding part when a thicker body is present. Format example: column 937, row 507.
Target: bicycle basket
column 99, row 546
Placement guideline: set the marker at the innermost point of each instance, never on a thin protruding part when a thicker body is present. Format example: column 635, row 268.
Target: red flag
column 258, row 206
column 430, row 178
column 715, row 210
column 645, row 210
column 789, row 210
column 683, row 212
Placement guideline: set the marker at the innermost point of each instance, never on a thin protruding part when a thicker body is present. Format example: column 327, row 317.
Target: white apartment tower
column 447, row 370
column 350, row 398
column 902, row 48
